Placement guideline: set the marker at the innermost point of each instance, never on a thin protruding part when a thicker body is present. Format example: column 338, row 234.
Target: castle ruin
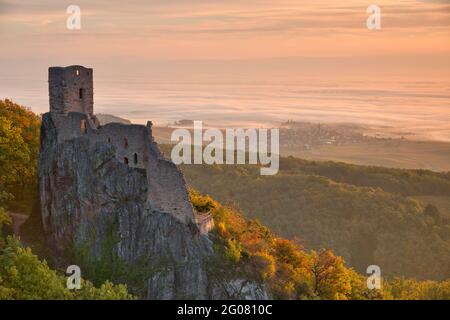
column 72, row 112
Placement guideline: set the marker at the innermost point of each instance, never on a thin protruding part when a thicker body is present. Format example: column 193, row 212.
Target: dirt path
column 18, row 220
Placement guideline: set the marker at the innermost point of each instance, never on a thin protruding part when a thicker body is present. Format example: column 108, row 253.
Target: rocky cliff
column 94, row 213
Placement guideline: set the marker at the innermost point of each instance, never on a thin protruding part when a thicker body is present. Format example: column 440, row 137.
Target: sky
column 323, row 32
column 227, row 41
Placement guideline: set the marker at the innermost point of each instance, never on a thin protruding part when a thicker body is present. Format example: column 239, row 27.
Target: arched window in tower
column 135, row 158
column 81, row 93
column 109, row 140
column 77, row 72
column 83, row 126
column 125, row 160
column 125, row 143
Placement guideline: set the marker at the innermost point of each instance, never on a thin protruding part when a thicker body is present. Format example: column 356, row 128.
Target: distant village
column 301, row 136
column 306, row 135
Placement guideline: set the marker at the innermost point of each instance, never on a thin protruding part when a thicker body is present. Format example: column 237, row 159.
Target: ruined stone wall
column 167, row 187
column 95, row 206
column 205, row 222
column 71, row 125
column 71, row 89
column 128, row 140
column 134, row 146
column 71, row 108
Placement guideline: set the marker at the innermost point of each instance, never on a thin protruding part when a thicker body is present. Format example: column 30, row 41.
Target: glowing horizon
column 138, row 47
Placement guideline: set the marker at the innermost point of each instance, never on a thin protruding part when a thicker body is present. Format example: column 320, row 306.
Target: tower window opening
column 77, row 72
column 109, row 140
column 125, row 160
column 135, row 158
column 83, row 126
column 125, row 143
column 81, row 93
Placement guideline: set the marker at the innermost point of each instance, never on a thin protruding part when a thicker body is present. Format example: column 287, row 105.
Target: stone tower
column 72, row 114
column 71, row 90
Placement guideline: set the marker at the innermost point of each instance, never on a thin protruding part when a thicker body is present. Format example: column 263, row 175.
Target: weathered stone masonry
column 72, row 111
column 112, row 204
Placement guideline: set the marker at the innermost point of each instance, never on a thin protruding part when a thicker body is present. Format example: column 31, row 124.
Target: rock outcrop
column 95, row 213
column 96, row 207
column 112, row 204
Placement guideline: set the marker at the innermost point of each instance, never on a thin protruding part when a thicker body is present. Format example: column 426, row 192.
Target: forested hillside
column 366, row 223
column 291, row 272
column 404, row 182
column 365, row 214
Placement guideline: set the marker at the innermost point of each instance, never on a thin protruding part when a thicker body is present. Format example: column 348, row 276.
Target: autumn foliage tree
column 19, row 150
column 330, row 277
column 23, row 276
column 250, row 248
